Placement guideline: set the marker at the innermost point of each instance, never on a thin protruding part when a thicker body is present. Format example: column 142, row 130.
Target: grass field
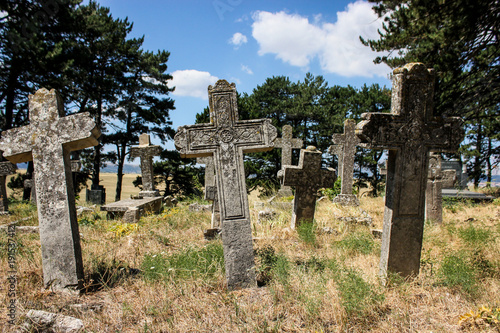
column 161, row 275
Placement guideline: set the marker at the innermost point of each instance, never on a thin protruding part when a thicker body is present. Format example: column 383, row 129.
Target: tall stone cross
column 227, row 138
column 307, row 178
column 348, row 140
column 287, row 143
column 146, row 151
column 409, row 132
column 48, row 141
column 6, row 168
column 433, row 192
column 211, row 192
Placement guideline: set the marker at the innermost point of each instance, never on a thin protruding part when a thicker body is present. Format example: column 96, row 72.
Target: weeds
column 457, row 271
column 307, row 233
column 358, row 242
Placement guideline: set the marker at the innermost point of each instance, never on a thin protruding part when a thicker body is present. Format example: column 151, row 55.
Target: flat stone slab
column 121, row 207
column 454, row 193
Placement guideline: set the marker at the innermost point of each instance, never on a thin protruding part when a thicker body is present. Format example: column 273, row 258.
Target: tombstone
column 96, row 195
column 6, row 168
column 146, row 151
column 29, row 183
column 227, row 138
column 337, row 150
column 48, row 141
column 211, row 195
column 348, row 140
column 409, row 132
column 460, row 169
column 307, row 178
column 464, row 177
column 286, row 143
column 433, row 195
column 449, row 178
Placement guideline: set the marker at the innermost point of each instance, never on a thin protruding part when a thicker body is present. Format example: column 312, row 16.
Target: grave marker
column 146, row 151
column 227, row 138
column 433, row 192
column 410, row 131
column 6, row 168
column 211, row 194
column 48, row 141
column 287, row 143
column 348, row 140
column 307, row 178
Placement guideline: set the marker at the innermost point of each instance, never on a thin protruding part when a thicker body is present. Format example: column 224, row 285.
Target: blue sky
column 246, row 42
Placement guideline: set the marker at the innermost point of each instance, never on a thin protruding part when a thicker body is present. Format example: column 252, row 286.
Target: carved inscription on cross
column 48, row 141
column 307, row 178
column 348, row 140
column 433, row 192
column 146, row 151
column 410, row 131
column 6, row 168
column 227, row 138
column 211, row 190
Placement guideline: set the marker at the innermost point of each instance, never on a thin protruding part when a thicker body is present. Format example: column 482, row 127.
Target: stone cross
column 433, row 192
column 29, row 183
column 337, row 150
column 48, row 141
column 307, row 178
column 6, row 168
column 211, row 191
column 146, row 151
column 287, row 143
column 409, row 132
column 348, row 140
column 227, row 138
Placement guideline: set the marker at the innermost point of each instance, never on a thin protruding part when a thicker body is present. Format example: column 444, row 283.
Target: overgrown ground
column 162, row 276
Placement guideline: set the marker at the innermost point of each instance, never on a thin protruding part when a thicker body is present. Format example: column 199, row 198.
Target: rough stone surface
column 24, row 229
column 170, row 201
column 433, row 195
column 307, row 178
column 227, row 138
column 287, row 142
column 211, row 189
column 48, row 141
column 43, row 321
column 29, row 183
column 266, row 215
column 449, row 178
column 121, row 208
column 6, row 168
column 382, row 167
column 460, row 169
column 348, row 140
column 96, row 195
column 196, row 207
column 146, row 151
column 409, row 132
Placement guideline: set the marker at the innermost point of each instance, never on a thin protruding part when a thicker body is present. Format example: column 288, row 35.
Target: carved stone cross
column 348, row 140
column 146, row 151
column 48, row 141
column 287, row 143
column 227, row 138
column 6, row 168
column 433, row 192
column 307, row 178
column 410, row 131
column 211, row 192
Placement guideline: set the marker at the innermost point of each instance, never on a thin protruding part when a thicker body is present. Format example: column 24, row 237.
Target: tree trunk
column 97, row 149
column 119, row 175
column 488, row 163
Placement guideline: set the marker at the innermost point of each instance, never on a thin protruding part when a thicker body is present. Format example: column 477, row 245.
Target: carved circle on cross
column 226, row 135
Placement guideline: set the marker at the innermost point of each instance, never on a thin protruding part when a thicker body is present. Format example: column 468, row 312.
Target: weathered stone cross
column 287, row 143
column 410, row 131
column 48, row 141
column 146, row 151
column 6, row 168
column 433, row 192
column 211, row 192
column 348, row 140
column 227, row 138
column 307, row 178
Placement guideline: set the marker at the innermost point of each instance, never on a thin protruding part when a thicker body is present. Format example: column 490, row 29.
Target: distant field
column 108, row 180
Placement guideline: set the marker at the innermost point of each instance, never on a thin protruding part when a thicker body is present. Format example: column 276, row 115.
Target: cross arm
column 256, row 135
column 16, row 144
column 379, row 130
column 328, row 177
column 80, row 131
column 197, row 140
column 138, row 151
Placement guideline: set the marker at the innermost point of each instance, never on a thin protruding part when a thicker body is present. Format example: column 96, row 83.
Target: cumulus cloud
column 246, row 69
column 295, row 40
column 193, row 83
column 238, row 39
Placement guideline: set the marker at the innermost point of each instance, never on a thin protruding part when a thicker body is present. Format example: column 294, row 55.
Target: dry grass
column 315, row 281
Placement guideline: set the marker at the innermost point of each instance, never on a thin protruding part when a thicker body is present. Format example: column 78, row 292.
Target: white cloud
column 246, row 69
column 295, row 40
column 191, row 82
column 238, row 39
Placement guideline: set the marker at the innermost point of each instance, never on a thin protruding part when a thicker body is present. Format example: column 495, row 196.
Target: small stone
column 377, row 233
column 42, row 321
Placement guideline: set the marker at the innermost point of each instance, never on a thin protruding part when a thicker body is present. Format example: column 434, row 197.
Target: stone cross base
column 346, row 200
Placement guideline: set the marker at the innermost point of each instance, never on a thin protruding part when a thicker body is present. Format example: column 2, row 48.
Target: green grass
column 358, row 242
column 307, row 233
